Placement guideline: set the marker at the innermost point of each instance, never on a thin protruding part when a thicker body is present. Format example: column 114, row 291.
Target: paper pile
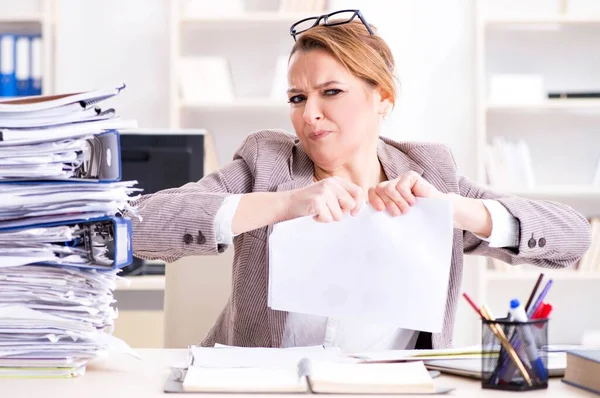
column 61, row 239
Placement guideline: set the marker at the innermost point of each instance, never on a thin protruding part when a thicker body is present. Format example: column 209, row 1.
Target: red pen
column 542, row 312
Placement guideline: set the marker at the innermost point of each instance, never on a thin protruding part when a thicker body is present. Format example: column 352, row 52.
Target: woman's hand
column 399, row 194
column 327, row 200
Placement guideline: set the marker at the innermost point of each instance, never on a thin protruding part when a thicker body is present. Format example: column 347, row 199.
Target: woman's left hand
column 399, row 194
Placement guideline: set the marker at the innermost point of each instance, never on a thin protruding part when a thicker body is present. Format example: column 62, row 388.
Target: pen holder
column 513, row 357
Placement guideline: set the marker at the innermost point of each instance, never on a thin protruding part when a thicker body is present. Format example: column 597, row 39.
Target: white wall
column 101, row 43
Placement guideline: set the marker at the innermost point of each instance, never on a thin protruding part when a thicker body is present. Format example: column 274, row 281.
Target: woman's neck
column 364, row 171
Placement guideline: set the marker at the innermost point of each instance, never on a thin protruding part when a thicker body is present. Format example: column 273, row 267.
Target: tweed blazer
column 179, row 222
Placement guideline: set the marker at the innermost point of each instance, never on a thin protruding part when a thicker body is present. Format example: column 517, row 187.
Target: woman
column 341, row 85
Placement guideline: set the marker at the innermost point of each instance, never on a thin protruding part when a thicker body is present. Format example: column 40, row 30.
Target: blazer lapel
column 394, row 161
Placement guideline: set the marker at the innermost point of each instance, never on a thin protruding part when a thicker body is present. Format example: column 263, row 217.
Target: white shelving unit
column 564, row 140
column 251, row 40
column 33, row 16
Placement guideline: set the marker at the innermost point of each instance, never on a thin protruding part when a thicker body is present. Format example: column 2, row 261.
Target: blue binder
column 8, row 82
column 113, row 232
column 23, row 65
column 35, row 84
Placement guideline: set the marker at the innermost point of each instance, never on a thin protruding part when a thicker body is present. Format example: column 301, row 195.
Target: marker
column 528, row 341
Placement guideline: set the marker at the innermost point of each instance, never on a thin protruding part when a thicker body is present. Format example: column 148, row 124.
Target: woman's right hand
column 326, row 200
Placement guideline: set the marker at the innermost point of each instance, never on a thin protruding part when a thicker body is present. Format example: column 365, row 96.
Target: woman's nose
column 312, row 112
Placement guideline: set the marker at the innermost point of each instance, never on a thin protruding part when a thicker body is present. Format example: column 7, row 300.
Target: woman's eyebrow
column 318, row 86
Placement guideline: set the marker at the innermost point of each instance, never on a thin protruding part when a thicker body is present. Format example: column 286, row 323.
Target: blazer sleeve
column 551, row 234
column 180, row 222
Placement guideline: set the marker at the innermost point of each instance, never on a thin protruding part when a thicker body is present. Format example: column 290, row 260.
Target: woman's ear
column 384, row 103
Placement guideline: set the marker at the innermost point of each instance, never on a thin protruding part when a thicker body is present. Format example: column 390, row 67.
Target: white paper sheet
column 262, row 357
column 372, row 266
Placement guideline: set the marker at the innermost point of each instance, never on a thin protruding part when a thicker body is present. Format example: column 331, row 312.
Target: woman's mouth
column 319, row 134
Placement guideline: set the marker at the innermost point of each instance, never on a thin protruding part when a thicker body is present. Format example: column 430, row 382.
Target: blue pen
column 527, row 340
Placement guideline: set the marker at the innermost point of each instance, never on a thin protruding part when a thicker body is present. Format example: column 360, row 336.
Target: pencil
column 533, row 292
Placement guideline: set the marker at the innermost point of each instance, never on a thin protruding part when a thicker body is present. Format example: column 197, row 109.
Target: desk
column 124, row 376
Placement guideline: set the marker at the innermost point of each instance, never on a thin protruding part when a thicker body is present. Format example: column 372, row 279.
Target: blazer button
column 200, row 239
column 188, row 238
column 542, row 242
column 531, row 243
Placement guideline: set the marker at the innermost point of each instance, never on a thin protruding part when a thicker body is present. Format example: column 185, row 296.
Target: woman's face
column 335, row 114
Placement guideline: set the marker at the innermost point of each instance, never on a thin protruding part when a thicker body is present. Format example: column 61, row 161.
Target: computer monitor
column 160, row 159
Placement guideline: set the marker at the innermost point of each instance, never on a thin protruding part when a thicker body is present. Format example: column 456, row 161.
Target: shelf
column 250, row 17
column 240, row 104
column 567, row 105
column 556, row 192
column 558, row 20
column 36, row 18
column 142, row 282
column 528, row 275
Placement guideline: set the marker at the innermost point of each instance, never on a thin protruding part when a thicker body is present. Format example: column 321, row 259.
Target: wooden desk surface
column 124, row 376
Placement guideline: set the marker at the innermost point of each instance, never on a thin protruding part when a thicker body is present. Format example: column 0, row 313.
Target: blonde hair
column 364, row 55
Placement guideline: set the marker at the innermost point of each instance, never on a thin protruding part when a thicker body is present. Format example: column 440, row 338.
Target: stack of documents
column 62, row 241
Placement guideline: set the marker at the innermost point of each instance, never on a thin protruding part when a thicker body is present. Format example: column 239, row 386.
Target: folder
column 23, row 65
column 81, row 100
column 36, row 65
column 8, row 83
column 102, row 243
column 96, row 158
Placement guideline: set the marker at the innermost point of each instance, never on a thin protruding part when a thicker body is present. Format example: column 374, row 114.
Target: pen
column 533, row 292
column 527, row 339
column 540, row 298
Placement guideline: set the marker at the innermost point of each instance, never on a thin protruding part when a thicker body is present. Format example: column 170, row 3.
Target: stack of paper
column 62, row 241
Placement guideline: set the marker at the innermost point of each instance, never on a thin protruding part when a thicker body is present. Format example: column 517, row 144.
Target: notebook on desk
column 264, row 370
column 471, row 367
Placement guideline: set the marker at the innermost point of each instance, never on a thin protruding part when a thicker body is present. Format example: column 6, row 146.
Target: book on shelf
column 280, row 83
column 206, row 79
column 508, row 164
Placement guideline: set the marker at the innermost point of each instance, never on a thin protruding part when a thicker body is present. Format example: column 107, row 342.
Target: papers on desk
column 61, row 240
column 372, row 266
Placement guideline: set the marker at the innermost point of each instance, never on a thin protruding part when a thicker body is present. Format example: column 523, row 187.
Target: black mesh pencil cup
column 514, row 355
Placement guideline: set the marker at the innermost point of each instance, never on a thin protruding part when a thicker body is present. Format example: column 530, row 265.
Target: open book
column 310, row 370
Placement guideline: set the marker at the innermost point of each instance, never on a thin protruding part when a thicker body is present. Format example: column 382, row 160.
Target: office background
column 452, row 55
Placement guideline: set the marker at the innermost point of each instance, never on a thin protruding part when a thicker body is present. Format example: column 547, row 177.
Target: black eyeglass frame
column 326, row 17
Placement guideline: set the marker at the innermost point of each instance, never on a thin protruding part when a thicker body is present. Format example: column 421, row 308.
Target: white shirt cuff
column 505, row 226
column 223, row 219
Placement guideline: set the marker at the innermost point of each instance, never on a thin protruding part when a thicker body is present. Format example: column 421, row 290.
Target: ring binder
column 102, row 243
column 98, row 159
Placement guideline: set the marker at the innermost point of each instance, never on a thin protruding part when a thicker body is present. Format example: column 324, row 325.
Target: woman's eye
column 332, row 91
column 296, row 99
